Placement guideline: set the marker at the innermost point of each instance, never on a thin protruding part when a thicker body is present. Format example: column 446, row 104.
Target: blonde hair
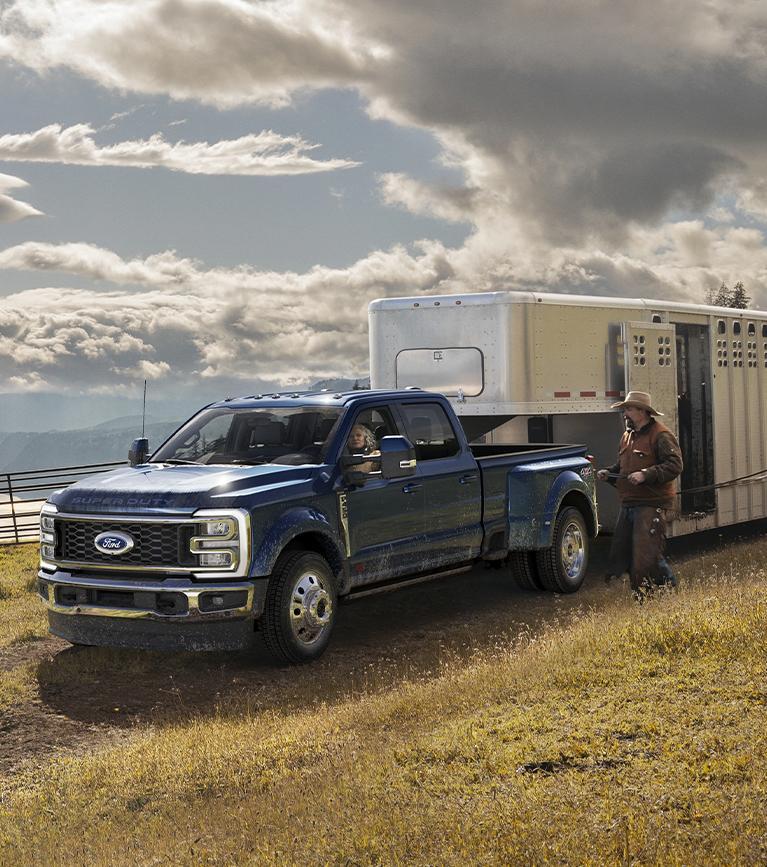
column 370, row 441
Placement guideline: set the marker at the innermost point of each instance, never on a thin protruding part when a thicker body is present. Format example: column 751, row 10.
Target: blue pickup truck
column 260, row 513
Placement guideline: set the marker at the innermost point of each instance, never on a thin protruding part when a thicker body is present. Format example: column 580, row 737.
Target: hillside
column 605, row 734
column 108, row 441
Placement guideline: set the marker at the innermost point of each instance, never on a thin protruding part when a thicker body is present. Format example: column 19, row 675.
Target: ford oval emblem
column 113, row 543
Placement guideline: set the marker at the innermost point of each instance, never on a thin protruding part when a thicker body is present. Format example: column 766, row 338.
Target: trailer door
column 649, row 352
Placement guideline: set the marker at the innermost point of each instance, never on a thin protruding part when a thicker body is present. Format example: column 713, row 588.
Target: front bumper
column 170, row 614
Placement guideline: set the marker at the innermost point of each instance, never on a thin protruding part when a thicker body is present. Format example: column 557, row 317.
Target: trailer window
column 452, row 370
column 751, row 329
column 721, row 327
column 736, row 327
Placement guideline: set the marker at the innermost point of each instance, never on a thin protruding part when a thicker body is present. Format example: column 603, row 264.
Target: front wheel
column 562, row 567
column 300, row 607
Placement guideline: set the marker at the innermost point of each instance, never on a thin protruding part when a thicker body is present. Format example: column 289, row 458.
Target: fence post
column 13, row 508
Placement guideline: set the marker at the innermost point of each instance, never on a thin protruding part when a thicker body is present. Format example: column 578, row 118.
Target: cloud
column 11, row 209
column 265, row 153
column 223, row 52
column 187, row 322
column 455, row 204
column 242, row 328
column 593, row 139
column 569, row 127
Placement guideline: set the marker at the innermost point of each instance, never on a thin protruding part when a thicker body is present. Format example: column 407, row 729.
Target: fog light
column 217, row 528
column 218, row 601
column 216, row 558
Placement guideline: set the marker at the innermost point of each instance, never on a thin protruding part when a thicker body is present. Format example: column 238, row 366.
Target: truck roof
column 318, row 398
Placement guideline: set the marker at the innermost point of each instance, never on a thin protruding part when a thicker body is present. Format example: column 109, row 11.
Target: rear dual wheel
column 562, row 567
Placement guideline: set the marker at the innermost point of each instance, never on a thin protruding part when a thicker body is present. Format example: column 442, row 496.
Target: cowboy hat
column 639, row 399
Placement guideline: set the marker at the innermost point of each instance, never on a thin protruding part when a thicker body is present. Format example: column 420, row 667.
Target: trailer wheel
column 562, row 567
column 300, row 608
column 524, row 570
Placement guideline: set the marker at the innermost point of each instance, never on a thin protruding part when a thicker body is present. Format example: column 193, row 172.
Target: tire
column 300, row 609
column 562, row 567
column 524, row 570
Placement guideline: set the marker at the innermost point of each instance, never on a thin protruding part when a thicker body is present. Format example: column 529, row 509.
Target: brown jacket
column 655, row 450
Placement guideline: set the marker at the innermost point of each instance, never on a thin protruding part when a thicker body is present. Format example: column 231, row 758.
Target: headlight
column 48, row 531
column 217, row 543
column 221, row 559
column 225, row 527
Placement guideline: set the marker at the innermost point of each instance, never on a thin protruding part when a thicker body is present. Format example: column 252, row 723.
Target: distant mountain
column 94, row 445
column 45, row 431
column 45, row 412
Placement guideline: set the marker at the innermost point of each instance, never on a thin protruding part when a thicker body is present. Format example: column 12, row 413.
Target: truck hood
column 161, row 488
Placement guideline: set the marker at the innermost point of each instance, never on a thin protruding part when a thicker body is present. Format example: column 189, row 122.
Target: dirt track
column 91, row 695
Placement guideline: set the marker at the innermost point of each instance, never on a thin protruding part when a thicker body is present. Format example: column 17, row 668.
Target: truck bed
column 525, row 451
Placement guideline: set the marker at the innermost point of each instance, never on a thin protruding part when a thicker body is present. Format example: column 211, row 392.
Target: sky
column 207, row 194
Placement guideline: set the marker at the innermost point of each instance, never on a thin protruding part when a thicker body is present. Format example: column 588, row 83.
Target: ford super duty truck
column 259, row 514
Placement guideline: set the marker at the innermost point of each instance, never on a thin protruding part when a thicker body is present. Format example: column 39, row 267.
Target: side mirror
column 138, row 451
column 397, row 457
column 353, row 477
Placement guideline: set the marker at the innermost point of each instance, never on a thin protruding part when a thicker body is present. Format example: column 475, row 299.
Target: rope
column 759, row 475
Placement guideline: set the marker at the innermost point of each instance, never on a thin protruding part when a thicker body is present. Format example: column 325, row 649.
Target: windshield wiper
column 179, row 461
column 253, row 461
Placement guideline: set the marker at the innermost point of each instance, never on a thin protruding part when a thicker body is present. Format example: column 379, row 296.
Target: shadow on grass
column 379, row 642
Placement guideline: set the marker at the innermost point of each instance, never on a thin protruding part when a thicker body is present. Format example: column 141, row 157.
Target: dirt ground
column 86, row 697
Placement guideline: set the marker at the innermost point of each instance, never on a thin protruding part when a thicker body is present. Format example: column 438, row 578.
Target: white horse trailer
column 530, row 367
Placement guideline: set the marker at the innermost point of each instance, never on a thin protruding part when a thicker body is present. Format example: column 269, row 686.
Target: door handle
column 464, row 480
column 411, row 487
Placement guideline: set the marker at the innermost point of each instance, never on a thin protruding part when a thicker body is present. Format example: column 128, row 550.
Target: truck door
column 649, row 352
column 383, row 520
column 451, row 483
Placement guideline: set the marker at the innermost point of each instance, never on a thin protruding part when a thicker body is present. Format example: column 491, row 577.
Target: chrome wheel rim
column 573, row 550
column 311, row 608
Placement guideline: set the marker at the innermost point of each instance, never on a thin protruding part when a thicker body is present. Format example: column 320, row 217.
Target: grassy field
column 21, row 618
column 628, row 736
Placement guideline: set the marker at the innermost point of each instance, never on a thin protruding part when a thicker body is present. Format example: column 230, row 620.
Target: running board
column 398, row 583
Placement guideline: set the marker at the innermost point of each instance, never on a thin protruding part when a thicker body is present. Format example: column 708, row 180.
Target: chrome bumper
column 95, row 596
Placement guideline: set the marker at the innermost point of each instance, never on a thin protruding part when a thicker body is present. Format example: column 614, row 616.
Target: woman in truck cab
column 362, row 442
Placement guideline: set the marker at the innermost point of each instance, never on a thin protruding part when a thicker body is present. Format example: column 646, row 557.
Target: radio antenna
column 143, row 414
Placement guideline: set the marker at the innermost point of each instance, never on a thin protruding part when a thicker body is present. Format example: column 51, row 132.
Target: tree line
column 725, row 297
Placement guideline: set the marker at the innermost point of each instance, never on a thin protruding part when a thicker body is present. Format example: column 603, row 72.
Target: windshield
column 278, row 435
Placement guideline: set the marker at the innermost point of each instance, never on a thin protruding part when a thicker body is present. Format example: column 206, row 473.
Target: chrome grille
column 156, row 544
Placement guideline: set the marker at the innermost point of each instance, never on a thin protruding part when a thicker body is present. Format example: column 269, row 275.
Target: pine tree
column 723, row 297
column 740, row 298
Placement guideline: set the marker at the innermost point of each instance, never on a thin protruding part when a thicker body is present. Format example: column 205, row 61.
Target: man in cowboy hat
column 649, row 460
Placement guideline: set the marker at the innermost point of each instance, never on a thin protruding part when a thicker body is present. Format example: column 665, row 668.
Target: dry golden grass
column 22, row 617
column 632, row 735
